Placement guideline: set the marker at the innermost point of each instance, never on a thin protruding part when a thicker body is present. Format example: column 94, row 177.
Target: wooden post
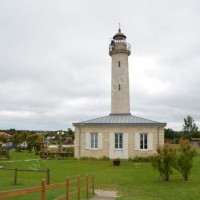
column 67, row 188
column 78, row 187
column 93, row 184
column 48, row 176
column 15, row 176
column 87, row 186
column 43, row 192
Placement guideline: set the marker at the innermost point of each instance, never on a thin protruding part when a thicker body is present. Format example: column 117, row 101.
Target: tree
column 189, row 125
column 16, row 139
column 164, row 160
column 185, row 158
column 169, row 134
column 70, row 132
column 33, row 141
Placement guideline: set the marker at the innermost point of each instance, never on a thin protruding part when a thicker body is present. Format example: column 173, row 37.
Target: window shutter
column 150, row 141
column 88, row 141
column 125, row 145
column 137, row 141
column 111, row 145
column 100, row 140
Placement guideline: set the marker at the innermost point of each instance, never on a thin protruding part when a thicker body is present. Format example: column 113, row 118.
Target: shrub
column 164, row 160
column 105, row 158
column 140, row 159
column 185, row 157
column 88, row 158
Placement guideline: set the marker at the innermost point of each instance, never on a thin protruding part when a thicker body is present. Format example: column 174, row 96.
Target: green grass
column 133, row 182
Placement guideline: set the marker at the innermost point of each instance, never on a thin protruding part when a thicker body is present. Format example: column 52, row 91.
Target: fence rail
column 89, row 182
column 16, row 170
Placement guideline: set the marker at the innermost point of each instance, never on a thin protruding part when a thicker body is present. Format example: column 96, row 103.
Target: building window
column 143, row 140
column 119, row 87
column 118, row 140
column 94, row 140
column 119, row 63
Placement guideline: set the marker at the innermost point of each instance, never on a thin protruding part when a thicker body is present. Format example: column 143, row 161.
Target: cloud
column 55, row 68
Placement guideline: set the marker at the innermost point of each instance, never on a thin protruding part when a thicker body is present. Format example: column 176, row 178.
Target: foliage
column 54, row 153
column 189, row 135
column 189, row 125
column 185, row 158
column 164, row 160
column 3, row 139
column 70, row 132
column 16, row 139
column 33, row 141
column 172, row 136
column 169, row 134
column 140, row 159
column 69, row 140
column 88, row 158
column 104, row 158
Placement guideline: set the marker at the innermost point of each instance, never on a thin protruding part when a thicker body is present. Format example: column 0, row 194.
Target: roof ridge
column 120, row 120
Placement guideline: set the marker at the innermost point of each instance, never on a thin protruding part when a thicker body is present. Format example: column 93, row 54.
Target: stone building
column 119, row 134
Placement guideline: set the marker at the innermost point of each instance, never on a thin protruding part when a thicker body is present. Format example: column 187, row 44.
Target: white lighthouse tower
column 119, row 50
column 119, row 134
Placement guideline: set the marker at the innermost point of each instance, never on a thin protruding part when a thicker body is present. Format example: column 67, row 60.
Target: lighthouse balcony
column 119, row 47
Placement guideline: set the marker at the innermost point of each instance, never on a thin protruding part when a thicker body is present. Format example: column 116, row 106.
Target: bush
column 185, row 157
column 88, row 158
column 164, row 160
column 180, row 158
column 140, row 159
column 104, row 158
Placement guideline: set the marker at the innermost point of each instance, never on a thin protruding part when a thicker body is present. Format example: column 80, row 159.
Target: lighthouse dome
column 119, row 36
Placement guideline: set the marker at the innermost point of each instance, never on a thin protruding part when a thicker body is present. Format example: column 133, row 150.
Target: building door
column 118, row 145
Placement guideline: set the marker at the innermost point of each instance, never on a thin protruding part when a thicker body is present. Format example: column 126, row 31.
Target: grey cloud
column 55, row 67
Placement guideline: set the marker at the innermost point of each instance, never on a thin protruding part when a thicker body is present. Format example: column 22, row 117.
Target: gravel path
column 105, row 195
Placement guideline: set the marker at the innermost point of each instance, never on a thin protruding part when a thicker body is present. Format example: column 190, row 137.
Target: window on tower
column 119, row 63
column 119, row 87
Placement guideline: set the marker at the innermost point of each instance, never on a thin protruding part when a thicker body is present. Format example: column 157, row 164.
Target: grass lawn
column 137, row 182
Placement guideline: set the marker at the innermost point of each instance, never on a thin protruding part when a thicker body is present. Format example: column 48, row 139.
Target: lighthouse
column 119, row 51
column 119, row 134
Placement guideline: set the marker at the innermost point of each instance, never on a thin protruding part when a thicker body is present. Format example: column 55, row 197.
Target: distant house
column 5, row 135
column 119, row 134
column 195, row 142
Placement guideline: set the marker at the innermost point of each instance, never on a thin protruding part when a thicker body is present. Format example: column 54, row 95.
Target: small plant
column 105, row 158
column 139, row 159
column 88, row 158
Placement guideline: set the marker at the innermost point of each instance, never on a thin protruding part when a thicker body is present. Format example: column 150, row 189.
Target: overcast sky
column 55, row 68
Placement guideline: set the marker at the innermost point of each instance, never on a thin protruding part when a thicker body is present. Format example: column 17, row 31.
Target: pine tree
column 189, row 125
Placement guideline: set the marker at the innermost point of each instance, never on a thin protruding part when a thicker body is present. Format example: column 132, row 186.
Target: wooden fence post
column 87, row 186
column 48, row 176
column 78, row 187
column 93, row 184
column 43, row 192
column 67, row 188
column 15, row 176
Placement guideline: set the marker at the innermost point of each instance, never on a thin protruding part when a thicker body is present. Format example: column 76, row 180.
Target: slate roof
column 120, row 119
